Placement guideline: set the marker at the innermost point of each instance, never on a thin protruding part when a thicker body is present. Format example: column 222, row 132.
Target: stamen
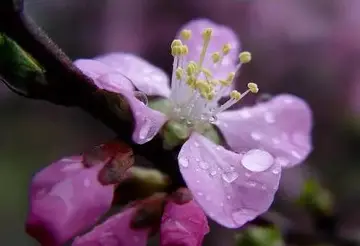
column 215, row 57
column 207, row 33
column 253, row 87
column 226, row 49
column 245, row 57
column 186, row 34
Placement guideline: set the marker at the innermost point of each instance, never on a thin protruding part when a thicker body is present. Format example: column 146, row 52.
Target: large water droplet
column 141, row 96
column 183, row 162
column 230, row 177
column 257, row 160
column 204, row 165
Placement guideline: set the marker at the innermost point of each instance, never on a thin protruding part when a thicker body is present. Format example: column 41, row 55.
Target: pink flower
column 232, row 186
column 183, row 225
column 65, row 199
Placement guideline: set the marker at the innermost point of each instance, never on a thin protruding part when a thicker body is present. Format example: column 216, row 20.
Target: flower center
column 195, row 89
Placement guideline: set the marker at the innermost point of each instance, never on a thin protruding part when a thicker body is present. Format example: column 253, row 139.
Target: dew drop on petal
column 257, row 160
column 208, row 198
column 213, row 172
column 282, row 161
column 196, row 144
column 228, row 197
column 200, row 193
column 212, row 119
column 203, row 165
column 269, row 117
column 183, row 162
column 230, row 177
column 256, row 136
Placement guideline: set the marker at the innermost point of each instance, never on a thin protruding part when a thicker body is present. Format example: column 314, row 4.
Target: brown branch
column 68, row 86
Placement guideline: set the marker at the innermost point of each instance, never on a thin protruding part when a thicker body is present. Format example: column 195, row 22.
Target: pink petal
column 115, row 231
column 281, row 126
column 231, row 188
column 184, row 225
column 145, row 76
column 65, row 199
column 221, row 35
column 147, row 121
column 104, row 76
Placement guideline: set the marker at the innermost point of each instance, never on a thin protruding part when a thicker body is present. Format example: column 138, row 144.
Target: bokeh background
column 310, row 48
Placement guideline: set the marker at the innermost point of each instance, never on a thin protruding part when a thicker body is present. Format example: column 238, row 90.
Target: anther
column 226, row 49
column 215, row 57
column 245, row 57
column 253, row 87
column 235, row 95
column 186, row 34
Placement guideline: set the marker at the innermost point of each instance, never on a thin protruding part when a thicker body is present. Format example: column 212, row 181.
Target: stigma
column 195, row 88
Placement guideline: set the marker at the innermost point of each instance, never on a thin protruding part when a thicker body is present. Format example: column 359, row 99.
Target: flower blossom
column 69, row 197
column 234, row 185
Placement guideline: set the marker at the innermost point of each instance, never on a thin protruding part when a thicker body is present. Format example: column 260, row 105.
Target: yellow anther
column 191, row 68
column 176, row 50
column 184, row 50
column 235, row 95
column 226, row 49
column 245, row 57
column 214, row 82
column 186, row 34
column 179, row 73
column 253, row 87
column 230, row 77
column 209, row 96
column 216, row 57
column 225, row 82
column 207, row 33
column 191, row 81
column 207, row 73
column 203, row 86
column 176, row 42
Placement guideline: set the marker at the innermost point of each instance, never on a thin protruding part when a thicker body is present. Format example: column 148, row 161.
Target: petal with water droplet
column 284, row 122
column 115, row 231
column 184, row 224
column 146, row 77
column 235, row 186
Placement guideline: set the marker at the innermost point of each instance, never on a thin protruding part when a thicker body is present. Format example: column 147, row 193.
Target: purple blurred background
column 305, row 47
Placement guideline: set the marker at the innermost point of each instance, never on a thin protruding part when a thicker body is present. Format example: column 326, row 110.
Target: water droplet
column 245, row 114
column 269, row 117
column 197, row 159
column 228, row 197
column 276, row 171
column 144, row 132
column 256, row 136
column 230, row 177
column 212, row 119
column 242, row 216
column 257, row 160
column 288, row 101
column 251, row 184
column 275, row 140
column 198, row 181
column 282, row 161
column 189, row 123
column 295, row 154
column 218, row 148
column 196, row 144
column 203, row 165
column 177, row 110
column 200, row 193
column 141, row 96
column 183, row 162
column 197, row 169
column 247, row 174
column 213, row 172
column 263, row 187
column 221, row 204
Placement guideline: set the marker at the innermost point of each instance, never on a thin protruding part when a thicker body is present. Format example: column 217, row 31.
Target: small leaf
column 316, row 197
column 18, row 69
column 260, row 236
column 174, row 134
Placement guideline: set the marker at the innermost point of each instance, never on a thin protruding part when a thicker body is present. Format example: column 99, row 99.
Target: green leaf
column 260, row 236
column 18, row 69
column 316, row 197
